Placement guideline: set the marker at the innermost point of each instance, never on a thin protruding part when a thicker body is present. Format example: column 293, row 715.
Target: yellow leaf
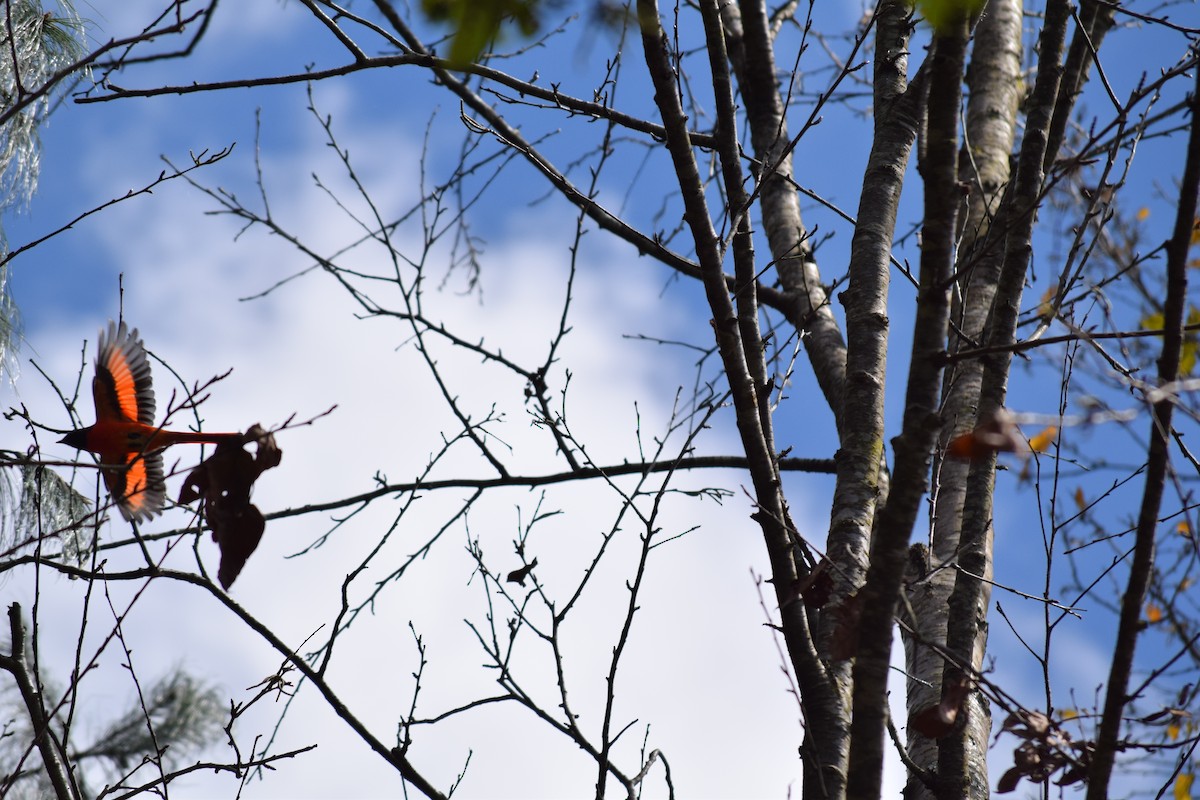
column 1153, row 613
column 1183, row 786
column 1196, row 231
column 1046, row 304
column 1187, row 356
column 1187, row 353
column 1080, row 500
column 1143, row 213
column 1191, row 345
column 1184, row 528
column 1039, row 443
column 1069, row 713
column 1172, row 731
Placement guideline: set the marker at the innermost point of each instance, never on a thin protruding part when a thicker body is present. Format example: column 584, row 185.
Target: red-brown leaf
column 1008, row 781
column 999, row 434
column 938, row 720
column 816, row 587
column 224, row 481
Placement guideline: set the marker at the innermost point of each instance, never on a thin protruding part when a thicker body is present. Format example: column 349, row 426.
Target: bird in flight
column 125, row 439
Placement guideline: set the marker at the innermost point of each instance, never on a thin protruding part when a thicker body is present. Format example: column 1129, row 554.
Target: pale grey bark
column 993, row 80
column 861, row 462
column 914, row 446
column 752, row 53
column 966, row 624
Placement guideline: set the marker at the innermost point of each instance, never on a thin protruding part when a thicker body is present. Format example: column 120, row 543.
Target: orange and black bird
column 125, row 438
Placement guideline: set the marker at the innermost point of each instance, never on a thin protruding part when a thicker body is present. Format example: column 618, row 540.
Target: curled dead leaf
column 998, row 434
column 224, row 481
column 1008, row 781
column 815, row 588
column 1045, row 749
column 938, row 720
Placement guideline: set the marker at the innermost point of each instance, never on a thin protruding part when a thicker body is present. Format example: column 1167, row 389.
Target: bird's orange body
column 125, row 439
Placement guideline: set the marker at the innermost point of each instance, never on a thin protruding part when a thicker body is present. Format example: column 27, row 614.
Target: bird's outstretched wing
column 122, row 387
column 123, row 392
column 138, row 488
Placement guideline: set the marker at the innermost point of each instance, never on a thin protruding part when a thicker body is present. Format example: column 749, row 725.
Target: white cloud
column 701, row 669
column 243, row 29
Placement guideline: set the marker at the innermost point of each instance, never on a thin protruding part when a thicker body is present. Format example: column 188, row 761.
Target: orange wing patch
column 138, row 487
column 122, row 388
column 123, row 392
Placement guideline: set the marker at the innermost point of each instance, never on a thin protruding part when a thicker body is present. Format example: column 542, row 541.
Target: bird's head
column 76, row 439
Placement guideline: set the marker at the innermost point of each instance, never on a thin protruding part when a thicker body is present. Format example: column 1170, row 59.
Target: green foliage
column 9, row 326
column 184, row 714
column 177, row 716
column 38, row 44
column 41, row 500
column 477, row 22
column 943, row 15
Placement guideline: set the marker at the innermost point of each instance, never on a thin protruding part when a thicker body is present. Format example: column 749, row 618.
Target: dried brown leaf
column 999, row 434
column 224, row 482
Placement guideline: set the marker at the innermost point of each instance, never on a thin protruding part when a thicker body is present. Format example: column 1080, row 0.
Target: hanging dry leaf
column 1045, row 749
column 938, row 720
column 999, row 434
column 224, row 481
column 1009, row 780
column 815, row 588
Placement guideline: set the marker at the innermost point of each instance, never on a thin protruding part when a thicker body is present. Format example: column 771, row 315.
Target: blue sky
column 301, row 350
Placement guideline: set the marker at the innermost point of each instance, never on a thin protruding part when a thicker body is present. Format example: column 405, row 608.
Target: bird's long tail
column 168, row 438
